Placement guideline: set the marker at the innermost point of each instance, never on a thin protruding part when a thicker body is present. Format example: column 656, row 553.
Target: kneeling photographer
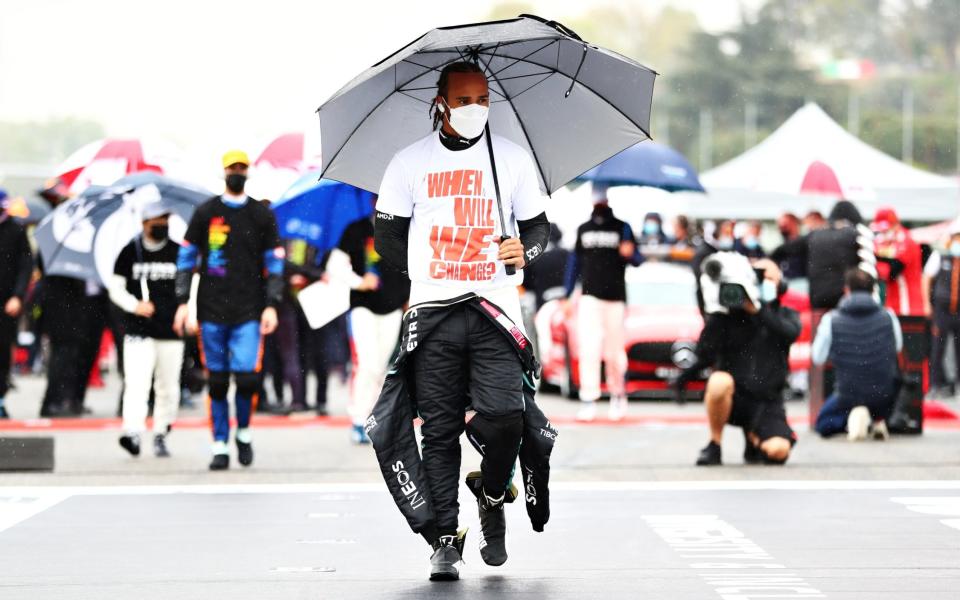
column 746, row 341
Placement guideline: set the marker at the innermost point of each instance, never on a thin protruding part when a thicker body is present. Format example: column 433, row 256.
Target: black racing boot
column 493, row 530
column 130, row 443
column 447, row 552
column 709, row 455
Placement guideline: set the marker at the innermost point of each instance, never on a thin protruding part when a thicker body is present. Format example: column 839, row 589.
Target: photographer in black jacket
column 746, row 340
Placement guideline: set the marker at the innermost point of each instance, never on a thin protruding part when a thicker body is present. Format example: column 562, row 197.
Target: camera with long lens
column 728, row 282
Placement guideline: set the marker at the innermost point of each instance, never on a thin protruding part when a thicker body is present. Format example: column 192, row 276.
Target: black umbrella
column 571, row 104
column 82, row 237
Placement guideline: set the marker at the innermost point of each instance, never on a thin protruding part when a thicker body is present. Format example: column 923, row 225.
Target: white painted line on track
column 303, row 570
column 561, row 486
column 16, row 507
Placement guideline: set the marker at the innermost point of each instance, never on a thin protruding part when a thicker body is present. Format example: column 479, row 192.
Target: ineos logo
column 408, row 487
column 684, row 354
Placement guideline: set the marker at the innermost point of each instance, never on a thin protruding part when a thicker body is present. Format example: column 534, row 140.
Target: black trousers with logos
column 467, row 362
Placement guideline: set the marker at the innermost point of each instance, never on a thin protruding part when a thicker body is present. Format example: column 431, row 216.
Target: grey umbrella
column 82, row 237
column 569, row 103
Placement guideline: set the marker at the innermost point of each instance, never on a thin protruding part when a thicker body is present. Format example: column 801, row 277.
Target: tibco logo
column 370, row 424
column 407, row 486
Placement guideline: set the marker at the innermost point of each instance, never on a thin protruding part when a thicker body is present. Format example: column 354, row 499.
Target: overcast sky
column 208, row 74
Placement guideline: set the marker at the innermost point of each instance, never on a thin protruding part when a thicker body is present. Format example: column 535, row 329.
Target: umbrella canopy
column 180, row 197
column 570, row 104
column 319, row 211
column 647, row 164
column 284, row 159
column 104, row 161
column 82, row 237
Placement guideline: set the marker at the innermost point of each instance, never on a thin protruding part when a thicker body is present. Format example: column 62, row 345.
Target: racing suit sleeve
column 534, row 235
column 390, row 239
column 186, row 263
column 273, row 262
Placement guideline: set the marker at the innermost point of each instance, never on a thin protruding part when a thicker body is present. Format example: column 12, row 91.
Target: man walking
column 143, row 287
column 605, row 246
column 435, row 221
column 233, row 240
column 16, row 265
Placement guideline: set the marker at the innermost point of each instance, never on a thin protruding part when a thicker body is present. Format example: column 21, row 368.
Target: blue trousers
column 226, row 349
column 833, row 416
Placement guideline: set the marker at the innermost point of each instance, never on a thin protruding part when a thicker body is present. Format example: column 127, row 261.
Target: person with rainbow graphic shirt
column 233, row 243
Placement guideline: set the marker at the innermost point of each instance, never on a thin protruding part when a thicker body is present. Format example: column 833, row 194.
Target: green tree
column 45, row 142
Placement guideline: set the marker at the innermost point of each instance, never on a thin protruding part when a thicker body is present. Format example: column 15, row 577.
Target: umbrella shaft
column 504, row 234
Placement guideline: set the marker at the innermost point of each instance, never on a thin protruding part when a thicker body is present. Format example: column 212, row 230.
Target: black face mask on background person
column 235, row 182
column 159, row 232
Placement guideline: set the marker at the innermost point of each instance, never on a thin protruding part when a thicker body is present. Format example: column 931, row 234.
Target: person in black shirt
column 233, row 241
column 605, row 246
column 16, row 265
column 748, row 349
column 378, row 293
column 143, row 287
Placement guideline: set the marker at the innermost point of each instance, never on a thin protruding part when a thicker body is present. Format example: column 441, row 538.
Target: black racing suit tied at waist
column 391, row 427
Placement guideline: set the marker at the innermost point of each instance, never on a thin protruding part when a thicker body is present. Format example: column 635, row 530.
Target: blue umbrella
column 647, row 164
column 319, row 211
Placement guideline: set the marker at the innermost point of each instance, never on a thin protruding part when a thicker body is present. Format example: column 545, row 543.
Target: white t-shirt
column 453, row 204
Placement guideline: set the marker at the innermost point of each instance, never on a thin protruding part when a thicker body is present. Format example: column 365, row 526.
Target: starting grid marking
column 714, row 549
column 727, row 561
column 332, row 492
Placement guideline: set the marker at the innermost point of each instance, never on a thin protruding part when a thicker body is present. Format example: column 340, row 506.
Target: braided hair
column 457, row 67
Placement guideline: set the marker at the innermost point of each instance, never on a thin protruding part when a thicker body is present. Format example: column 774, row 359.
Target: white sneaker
column 618, row 408
column 587, row 412
column 879, row 431
column 858, row 424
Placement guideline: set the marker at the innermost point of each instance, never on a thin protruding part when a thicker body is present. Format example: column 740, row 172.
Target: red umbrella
column 105, row 161
column 280, row 164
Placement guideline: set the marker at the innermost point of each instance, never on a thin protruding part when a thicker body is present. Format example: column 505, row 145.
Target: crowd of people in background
column 854, row 269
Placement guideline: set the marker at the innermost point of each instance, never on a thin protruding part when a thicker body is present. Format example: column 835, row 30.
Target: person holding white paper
column 379, row 293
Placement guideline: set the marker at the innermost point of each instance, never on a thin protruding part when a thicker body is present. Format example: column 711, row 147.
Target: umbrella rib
column 522, row 58
column 364, row 120
column 524, row 91
column 523, row 128
column 595, row 93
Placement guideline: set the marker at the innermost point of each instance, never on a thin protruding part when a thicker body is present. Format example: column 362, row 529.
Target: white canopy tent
column 811, row 161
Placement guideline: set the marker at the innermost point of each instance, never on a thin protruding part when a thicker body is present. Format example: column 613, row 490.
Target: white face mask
column 468, row 121
column 768, row 291
column 954, row 248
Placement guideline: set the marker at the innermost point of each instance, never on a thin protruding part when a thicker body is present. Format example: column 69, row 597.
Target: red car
column 662, row 326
